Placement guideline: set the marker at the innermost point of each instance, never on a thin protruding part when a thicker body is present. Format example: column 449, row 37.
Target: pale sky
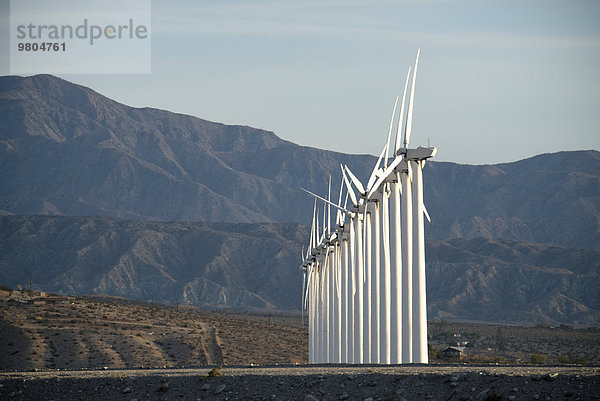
column 498, row 81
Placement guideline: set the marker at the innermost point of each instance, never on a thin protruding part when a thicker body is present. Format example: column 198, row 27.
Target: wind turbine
column 354, row 335
column 415, row 309
column 368, row 325
column 397, row 266
column 365, row 282
column 330, row 245
column 308, row 272
column 339, row 304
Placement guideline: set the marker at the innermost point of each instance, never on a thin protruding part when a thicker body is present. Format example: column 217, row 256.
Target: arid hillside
column 60, row 332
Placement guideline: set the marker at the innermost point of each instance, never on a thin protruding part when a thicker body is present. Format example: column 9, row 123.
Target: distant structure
column 454, row 352
column 364, row 278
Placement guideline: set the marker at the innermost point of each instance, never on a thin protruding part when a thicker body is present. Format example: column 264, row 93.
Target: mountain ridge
column 255, row 266
column 86, row 154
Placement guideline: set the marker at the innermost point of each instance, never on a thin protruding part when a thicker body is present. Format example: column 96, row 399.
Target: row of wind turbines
column 364, row 278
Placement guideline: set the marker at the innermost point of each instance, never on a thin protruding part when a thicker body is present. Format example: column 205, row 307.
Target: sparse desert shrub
column 537, row 359
column 500, row 359
column 215, row 372
column 574, row 360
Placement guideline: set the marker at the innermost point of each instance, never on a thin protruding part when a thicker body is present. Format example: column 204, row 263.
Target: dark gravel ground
column 407, row 382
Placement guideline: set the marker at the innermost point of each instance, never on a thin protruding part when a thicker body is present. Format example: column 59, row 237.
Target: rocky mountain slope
column 217, row 264
column 550, row 198
column 512, row 281
column 256, row 265
column 67, row 150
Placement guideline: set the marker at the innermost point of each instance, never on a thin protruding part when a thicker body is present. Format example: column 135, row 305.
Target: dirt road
column 424, row 382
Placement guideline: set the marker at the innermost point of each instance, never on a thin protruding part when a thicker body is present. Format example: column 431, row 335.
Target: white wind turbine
column 405, row 161
column 366, row 266
column 307, row 273
column 396, row 246
column 356, row 244
column 367, row 279
column 414, row 312
column 334, row 333
column 337, row 271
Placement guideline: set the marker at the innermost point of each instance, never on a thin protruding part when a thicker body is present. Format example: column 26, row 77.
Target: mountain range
column 255, row 265
column 212, row 214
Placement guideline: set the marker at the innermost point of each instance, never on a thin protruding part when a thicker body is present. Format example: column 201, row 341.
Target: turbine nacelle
column 333, row 238
column 420, row 153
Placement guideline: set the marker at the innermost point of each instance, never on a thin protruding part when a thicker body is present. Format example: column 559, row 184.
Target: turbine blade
column 426, row 213
column 308, row 279
column 364, row 246
column 401, row 117
column 329, row 207
column 312, row 229
column 355, row 181
column 352, row 246
column 303, row 287
column 324, row 219
column 411, row 104
column 338, row 265
column 339, row 216
column 317, row 240
column 326, row 201
column 390, row 133
column 400, row 186
column 349, row 188
column 384, row 176
column 373, row 176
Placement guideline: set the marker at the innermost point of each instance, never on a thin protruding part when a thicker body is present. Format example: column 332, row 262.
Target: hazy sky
column 497, row 81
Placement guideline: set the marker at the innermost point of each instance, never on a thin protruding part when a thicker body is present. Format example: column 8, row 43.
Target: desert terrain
column 309, row 383
column 59, row 332
column 56, row 347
